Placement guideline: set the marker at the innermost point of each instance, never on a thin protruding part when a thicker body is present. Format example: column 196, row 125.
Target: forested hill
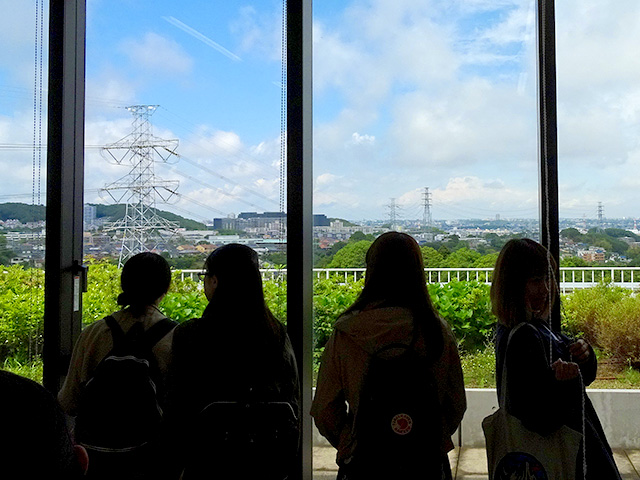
column 34, row 213
column 22, row 212
column 117, row 211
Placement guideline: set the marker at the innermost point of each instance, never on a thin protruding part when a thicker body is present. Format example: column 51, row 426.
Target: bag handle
column 503, row 390
column 503, row 384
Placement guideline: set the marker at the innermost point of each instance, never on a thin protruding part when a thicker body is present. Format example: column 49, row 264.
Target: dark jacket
column 212, row 360
column 543, row 403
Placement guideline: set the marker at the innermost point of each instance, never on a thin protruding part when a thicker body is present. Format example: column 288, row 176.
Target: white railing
column 571, row 278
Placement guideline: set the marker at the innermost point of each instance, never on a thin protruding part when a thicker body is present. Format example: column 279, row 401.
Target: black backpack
column 250, row 437
column 398, row 426
column 119, row 409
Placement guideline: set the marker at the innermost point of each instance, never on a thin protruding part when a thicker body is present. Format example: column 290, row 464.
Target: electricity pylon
column 142, row 228
column 426, row 214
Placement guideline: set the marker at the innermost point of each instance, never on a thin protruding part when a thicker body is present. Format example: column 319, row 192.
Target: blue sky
column 407, row 94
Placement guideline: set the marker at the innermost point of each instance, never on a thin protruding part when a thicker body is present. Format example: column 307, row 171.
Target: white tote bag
column 517, row 453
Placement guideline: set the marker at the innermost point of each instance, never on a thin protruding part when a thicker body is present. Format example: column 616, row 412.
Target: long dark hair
column 145, row 277
column 395, row 278
column 519, row 260
column 238, row 300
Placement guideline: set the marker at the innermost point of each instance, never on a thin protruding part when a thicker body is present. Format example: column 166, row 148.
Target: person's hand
column 565, row 370
column 580, row 351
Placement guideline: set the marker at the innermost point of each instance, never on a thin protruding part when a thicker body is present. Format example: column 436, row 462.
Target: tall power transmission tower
column 426, row 214
column 600, row 214
column 142, row 228
column 393, row 214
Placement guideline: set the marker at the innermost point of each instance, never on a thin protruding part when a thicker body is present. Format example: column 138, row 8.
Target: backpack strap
column 116, row 330
column 157, row 331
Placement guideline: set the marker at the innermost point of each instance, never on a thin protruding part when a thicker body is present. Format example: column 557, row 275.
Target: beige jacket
column 95, row 342
column 355, row 337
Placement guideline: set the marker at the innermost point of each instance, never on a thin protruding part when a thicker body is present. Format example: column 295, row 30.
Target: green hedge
column 609, row 317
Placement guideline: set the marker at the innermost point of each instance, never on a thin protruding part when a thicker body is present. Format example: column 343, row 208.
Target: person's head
column 524, row 285
column 144, row 280
column 231, row 271
column 395, row 278
column 395, row 271
column 233, row 286
column 35, row 441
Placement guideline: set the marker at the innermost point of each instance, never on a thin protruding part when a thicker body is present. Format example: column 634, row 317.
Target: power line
column 216, row 174
column 217, row 189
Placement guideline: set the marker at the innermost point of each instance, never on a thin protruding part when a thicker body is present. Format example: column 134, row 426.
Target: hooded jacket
column 356, row 336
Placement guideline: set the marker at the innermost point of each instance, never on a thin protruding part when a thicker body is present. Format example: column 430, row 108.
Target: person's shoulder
column 188, row 330
column 94, row 330
column 524, row 334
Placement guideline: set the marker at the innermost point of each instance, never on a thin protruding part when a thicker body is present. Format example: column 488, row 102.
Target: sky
column 408, row 95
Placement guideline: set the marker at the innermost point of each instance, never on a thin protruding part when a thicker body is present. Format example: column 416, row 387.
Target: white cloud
column 156, row 53
column 477, row 197
column 325, row 179
column 259, row 32
column 365, row 139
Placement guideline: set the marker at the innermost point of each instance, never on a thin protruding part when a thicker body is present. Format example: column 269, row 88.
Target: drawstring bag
column 515, row 452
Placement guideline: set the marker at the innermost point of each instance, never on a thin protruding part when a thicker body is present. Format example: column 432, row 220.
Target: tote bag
column 517, row 453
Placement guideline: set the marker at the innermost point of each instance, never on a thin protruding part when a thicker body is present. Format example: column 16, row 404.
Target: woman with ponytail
column 139, row 331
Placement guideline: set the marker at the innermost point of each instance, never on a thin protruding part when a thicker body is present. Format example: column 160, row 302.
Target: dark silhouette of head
column 144, row 279
column 35, row 442
column 395, row 278
column 519, row 261
column 237, row 271
column 238, row 299
column 395, row 270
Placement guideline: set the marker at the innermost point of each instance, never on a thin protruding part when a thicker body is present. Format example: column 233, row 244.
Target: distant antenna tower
column 142, row 228
column 426, row 214
column 393, row 213
column 600, row 214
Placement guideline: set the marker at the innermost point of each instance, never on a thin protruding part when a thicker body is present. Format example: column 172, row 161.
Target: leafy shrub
column 618, row 332
column 608, row 317
column 331, row 297
column 21, row 312
column 103, row 288
column 466, row 306
column 583, row 309
column 275, row 295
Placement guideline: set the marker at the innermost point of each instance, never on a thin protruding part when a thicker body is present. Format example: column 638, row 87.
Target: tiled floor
column 468, row 463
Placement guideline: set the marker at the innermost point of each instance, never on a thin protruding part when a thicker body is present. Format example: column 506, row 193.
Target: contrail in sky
column 204, row 39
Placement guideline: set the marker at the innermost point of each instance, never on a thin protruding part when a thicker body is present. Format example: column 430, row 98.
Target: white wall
column 618, row 410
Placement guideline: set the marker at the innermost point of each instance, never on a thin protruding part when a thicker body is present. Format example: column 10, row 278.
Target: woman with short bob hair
column 393, row 308
column 544, row 366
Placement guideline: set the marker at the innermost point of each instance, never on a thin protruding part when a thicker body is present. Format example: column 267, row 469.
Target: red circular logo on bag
column 401, row 424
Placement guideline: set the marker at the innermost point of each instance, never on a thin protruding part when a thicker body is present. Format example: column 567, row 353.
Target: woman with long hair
column 394, row 309
column 547, row 371
column 238, row 350
column 105, row 397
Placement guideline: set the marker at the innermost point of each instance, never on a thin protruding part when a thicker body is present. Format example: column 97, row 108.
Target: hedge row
column 609, row 317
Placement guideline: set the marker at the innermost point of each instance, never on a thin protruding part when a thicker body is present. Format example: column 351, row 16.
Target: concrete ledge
column 618, row 410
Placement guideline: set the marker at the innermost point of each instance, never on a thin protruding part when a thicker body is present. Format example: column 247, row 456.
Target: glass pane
column 598, row 155
column 23, row 133
column 183, row 128
column 424, row 122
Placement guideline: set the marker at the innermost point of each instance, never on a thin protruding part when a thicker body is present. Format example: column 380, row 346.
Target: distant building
column 592, row 255
column 89, row 217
